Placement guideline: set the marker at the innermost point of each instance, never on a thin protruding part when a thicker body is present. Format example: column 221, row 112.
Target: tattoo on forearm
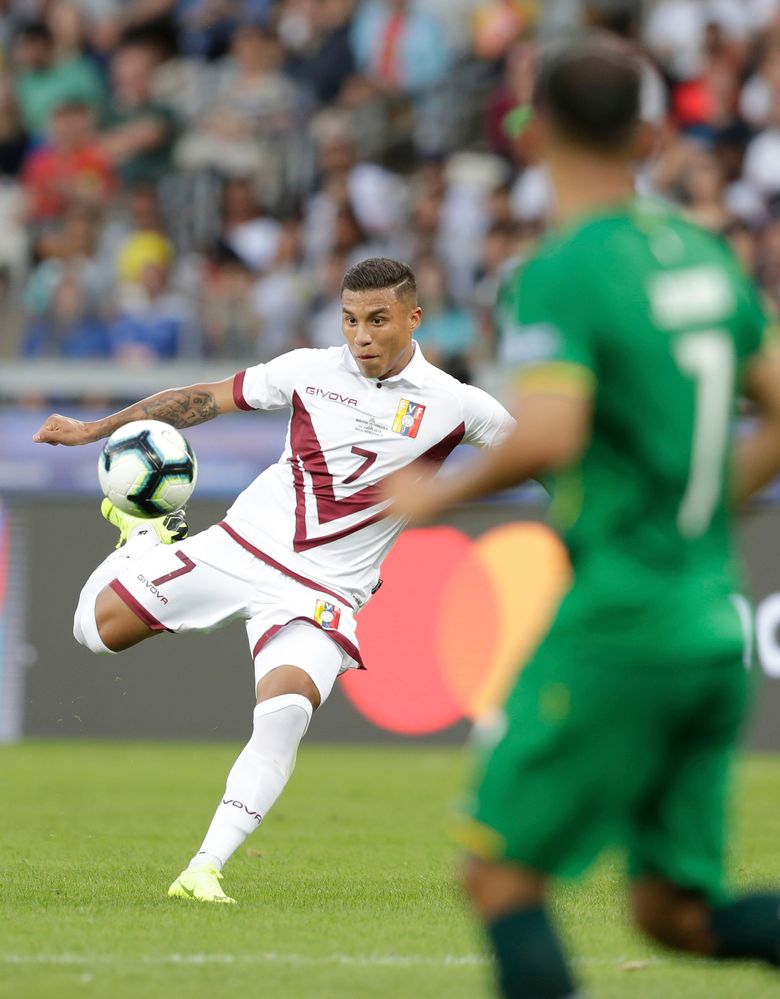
column 180, row 407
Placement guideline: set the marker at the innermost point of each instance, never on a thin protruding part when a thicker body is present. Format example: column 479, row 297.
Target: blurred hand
column 59, row 429
column 415, row 499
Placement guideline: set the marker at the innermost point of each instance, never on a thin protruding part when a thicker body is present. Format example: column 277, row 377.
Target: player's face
column 378, row 329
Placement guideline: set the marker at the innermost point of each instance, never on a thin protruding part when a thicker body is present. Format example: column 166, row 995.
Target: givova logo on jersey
column 408, row 418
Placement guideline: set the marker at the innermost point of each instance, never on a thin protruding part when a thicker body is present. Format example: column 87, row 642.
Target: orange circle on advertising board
column 453, row 622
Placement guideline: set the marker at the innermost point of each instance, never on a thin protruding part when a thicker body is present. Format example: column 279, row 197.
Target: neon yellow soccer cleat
column 168, row 528
column 200, row 884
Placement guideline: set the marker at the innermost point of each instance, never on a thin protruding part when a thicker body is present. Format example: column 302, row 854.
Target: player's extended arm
column 757, row 453
column 551, row 432
column 181, row 407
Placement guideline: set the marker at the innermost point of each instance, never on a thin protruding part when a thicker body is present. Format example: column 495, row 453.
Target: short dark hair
column 590, row 93
column 380, row 272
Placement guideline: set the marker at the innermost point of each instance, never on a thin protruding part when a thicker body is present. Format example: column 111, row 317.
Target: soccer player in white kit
column 299, row 552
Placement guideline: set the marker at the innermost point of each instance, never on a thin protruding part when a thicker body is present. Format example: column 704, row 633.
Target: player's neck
column 400, row 364
column 585, row 184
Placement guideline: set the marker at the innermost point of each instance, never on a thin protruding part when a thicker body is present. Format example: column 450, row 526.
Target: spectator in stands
column 762, row 157
column 703, row 189
column 324, row 60
column 515, row 88
column 70, row 327
column 142, row 248
column 230, row 326
column 254, row 108
column 139, row 133
column 405, row 53
column 281, row 297
column 247, row 229
column 42, row 79
column 70, row 169
column 707, row 105
column 323, row 328
column 448, row 331
column 759, row 92
column 497, row 24
column 65, row 20
column 136, row 212
column 374, row 195
column 205, row 27
column 70, row 250
column 423, row 231
column 471, row 181
column 399, row 46
column 505, row 245
column 349, row 239
column 155, row 322
column 13, row 139
column 253, row 89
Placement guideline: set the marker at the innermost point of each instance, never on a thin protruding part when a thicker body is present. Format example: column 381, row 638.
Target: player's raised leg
column 287, row 696
column 102, row 622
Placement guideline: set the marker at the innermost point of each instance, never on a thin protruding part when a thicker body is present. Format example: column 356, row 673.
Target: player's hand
column 415, row 499
column 59, row 429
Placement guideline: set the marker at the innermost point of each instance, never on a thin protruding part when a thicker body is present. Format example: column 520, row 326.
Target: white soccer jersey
column 319, row 512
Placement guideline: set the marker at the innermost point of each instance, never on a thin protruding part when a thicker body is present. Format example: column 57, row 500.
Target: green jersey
column 653, row 319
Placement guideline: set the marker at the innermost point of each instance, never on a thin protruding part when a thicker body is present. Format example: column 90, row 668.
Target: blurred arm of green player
column 552, row 431
column 757, row 454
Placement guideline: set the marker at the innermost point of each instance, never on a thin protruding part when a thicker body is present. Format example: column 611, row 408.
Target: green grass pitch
column 347, row 891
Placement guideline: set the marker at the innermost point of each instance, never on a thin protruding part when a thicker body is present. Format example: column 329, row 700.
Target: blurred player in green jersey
column 633, row 334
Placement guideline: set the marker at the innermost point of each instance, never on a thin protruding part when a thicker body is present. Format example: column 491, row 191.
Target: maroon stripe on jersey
column 307, row 450
column 238, row 391
column 310, row 583
column 302, row 544
column 440, row 452
column 335, row 636
column 307, row 455
column 136, row 607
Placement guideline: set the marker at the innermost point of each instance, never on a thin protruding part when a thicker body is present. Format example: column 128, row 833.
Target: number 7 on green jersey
column 709, row 358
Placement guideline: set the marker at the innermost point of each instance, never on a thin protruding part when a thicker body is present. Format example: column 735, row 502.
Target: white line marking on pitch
column 271, row 957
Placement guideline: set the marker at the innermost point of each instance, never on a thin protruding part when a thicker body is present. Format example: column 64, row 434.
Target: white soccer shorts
column 209, row 580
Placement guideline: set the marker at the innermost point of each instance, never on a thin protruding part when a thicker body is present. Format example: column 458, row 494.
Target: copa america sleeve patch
column 327, row 615
column 408, row 418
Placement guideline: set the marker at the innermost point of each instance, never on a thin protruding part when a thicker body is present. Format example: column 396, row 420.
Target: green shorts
column 597, row 752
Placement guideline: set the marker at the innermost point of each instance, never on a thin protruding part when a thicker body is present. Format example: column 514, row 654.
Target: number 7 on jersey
column 708, row 357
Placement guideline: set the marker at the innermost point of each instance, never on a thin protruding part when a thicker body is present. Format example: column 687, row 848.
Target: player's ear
column 415, row 318
column 531, row 143
column 645, row 141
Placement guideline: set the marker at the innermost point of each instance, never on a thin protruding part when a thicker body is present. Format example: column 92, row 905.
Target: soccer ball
column 147, row 468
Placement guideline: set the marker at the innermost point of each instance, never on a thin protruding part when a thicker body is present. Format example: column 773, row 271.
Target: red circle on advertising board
column 468, row 628
column 403, row 689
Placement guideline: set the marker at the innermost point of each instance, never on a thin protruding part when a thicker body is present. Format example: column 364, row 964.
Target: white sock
column 85, row 629
column 258, row 777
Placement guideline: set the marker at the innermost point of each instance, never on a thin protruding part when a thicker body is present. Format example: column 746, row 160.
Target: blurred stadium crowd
column 190, row 178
